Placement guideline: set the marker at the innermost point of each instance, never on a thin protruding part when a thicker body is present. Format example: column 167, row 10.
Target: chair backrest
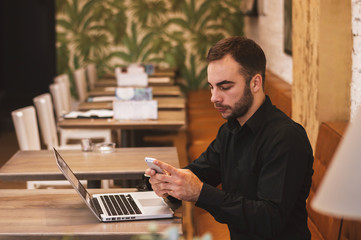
column 58, row 100
column 26, row 128
column 65, row 90
column 81, row 84
column 44, row 108
column 91, row 71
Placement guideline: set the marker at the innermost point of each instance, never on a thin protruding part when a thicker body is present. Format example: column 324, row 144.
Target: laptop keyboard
column 96, row 204
column 120, row 204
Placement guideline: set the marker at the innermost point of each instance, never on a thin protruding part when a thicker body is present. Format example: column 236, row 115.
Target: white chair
column 67, row 135
column 91, row 71
column 60, row 103
column 26, row 128
column 44, row 108
column 81, row 84
column 67, row 100
column 27, row 133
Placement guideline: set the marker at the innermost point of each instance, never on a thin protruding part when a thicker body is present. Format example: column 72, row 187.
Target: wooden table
column 61, row 214
column 164, row 103
column 159, row 77
column 152, row 81
column 158, row 91
column 166, row 120
column 123, row 163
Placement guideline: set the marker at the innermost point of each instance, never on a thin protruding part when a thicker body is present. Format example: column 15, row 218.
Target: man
column 262, row 158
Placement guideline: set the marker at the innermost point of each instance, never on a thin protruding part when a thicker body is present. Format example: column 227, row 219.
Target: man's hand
column 179, row 183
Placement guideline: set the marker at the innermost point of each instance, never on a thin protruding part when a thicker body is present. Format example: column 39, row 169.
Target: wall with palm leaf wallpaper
column 167, row 33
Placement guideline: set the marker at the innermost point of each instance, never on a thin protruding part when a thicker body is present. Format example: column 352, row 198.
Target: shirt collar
column 255, row 121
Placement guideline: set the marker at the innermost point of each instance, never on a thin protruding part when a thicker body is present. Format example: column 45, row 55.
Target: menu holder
column 131, row 78
column 135, row 68
column 135, row 110
column 136, row 94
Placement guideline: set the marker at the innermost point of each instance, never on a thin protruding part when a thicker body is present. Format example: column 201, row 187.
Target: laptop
column 112, row 207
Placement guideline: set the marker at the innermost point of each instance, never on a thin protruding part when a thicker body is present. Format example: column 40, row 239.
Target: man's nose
column 215, row 96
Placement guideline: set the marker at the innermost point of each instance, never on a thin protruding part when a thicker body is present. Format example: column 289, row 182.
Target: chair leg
column 106, row 183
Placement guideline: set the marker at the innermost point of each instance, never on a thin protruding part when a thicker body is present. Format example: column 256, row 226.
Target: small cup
column 105, row 147
column 86, row 145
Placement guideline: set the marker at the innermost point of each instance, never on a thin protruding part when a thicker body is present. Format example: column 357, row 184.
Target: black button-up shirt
column 265, row 168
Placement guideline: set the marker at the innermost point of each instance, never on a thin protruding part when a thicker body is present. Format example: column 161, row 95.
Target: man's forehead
column 225, row 78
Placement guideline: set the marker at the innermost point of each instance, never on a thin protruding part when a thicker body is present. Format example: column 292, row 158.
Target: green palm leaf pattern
column 149, row 12
column 173, row 33
column 194, row 79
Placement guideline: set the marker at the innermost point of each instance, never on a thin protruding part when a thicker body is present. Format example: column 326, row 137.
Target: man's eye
column 224, row 88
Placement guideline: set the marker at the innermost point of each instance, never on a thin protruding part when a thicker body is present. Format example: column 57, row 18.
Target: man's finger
column 150, row 172
column 168, row 168
column 161, row 193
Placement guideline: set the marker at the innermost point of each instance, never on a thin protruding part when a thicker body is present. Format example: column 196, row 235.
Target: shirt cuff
column 210, row 196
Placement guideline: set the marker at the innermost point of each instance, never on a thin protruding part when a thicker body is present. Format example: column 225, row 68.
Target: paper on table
column 101, row 99
column 102, row 113
column 135, row 68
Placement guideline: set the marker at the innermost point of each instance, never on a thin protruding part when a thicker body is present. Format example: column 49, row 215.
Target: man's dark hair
column 245, row 51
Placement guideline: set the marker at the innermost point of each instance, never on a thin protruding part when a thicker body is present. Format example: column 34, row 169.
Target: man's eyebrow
column 224, row 82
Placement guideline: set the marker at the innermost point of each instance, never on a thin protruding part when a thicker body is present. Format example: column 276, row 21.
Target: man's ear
column 256, row 83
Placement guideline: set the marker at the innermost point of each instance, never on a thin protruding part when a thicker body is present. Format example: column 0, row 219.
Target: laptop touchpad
column 151, row 202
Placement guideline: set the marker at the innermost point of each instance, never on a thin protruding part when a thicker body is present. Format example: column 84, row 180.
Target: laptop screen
column 68, row 173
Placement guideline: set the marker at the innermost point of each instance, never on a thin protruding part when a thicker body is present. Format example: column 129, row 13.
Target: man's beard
column 242, row 105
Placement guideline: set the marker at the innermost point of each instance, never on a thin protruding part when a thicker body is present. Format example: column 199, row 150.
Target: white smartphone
column 151, row 165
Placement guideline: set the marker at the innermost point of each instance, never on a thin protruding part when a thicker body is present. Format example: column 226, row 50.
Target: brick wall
column 356, row 57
